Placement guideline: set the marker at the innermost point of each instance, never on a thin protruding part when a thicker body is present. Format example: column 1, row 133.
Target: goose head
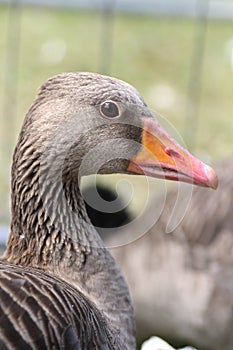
column 90, row 123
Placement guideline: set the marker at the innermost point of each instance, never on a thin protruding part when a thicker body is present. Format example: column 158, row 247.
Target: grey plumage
column 60, row 287
column 63, row 288
column 40, row 311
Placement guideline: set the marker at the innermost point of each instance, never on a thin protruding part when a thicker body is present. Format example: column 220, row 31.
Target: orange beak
column 162, row 157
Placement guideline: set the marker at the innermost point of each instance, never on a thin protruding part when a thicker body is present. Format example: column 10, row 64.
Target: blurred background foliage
column 183, row 68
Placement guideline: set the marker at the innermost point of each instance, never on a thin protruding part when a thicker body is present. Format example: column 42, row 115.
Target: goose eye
column 109, row 109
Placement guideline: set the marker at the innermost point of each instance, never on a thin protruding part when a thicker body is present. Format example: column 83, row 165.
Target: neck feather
column 51, row 230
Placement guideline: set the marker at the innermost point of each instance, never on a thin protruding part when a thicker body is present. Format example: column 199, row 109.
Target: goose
column 193, row 267
column 60, row 288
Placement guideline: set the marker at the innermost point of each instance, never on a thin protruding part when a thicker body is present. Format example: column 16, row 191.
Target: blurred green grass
column 154, row 54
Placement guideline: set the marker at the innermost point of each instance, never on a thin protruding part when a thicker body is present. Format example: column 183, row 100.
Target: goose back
column 41, row 311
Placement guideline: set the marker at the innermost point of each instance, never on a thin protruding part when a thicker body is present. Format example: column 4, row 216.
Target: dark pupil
column 109, row 109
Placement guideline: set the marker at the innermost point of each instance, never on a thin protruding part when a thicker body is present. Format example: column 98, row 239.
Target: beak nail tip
column 212, row 177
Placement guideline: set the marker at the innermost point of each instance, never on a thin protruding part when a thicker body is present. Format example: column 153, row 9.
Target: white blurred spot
column 162, row 96
column 229, row 51
column 156, row 343
column 53, row 51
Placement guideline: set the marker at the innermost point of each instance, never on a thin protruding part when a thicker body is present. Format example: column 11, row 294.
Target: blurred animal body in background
column 188, row 274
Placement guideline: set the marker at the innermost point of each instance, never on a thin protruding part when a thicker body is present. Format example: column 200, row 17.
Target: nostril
column 172, row 153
